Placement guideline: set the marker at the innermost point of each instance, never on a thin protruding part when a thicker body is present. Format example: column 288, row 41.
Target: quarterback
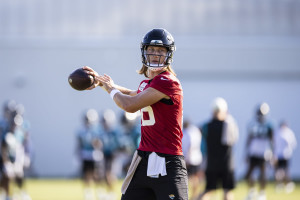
column 158, row 170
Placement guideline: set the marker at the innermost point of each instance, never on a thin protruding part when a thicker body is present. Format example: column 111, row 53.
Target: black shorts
column 193, row 169
column 172, row 186
column 282, row 164
column 255, row 161
column 87, row 166
column 214, row 178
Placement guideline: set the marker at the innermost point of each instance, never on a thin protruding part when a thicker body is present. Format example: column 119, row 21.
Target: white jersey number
column 151, row 120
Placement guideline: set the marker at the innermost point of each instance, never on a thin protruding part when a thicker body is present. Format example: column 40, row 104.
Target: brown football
column 80, row 79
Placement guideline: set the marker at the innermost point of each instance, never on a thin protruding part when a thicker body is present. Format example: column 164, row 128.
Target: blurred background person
column 259, row 148
column 27, row 141
column 191, row 148
column 284, row 144
column 128, row 137
column 14, row 157
column 89, row 151
column 220, row 134
column 108, row 135
column 8, row 109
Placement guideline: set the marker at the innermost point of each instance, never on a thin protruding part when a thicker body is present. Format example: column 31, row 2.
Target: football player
column 89, row 149
column 259, row 149
column 158, row 169
column 220, row 134
column 14, row 157
column 285, row 143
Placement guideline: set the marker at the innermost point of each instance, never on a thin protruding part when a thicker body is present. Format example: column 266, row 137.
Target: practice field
column 72, row 189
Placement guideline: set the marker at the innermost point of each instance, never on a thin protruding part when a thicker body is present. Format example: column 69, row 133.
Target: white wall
column 244, row 72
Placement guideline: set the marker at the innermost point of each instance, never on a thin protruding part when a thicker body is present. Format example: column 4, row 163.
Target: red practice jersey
column 162, row 122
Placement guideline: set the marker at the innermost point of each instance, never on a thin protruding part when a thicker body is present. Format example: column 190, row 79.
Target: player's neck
column 152, row 74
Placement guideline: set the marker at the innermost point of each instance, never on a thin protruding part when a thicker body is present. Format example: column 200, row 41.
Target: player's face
column 156, row 55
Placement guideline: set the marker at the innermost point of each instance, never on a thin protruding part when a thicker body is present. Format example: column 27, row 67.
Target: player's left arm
column 109, row 84
column 273, row 160
column 130, row 102
column 125, row 90
column 139, row 101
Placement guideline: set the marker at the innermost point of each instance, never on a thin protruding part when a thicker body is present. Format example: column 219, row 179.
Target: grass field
column 72, row 189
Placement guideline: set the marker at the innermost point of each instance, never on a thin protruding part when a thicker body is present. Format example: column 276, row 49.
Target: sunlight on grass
column 72, row 189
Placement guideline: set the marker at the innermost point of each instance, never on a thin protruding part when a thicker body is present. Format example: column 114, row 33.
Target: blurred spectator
column 259, row 148
column 108, row 135
column 27, row 143
column 220, row 134
column 8, row 109
column 129, row 137
column 131, row 127
column 191, row 147
column 284, row 145
column 89, row 150
column 14, row 157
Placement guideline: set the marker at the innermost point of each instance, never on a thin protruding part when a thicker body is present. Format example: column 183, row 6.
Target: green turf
column 70, row 189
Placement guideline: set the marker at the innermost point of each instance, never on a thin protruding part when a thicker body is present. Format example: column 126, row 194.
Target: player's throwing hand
column 95, row 75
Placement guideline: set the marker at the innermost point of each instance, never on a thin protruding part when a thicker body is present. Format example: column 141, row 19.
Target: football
column 80, row 79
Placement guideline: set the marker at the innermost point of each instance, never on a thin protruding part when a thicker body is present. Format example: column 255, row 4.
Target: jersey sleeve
column 167, row 85
column 203, row 146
